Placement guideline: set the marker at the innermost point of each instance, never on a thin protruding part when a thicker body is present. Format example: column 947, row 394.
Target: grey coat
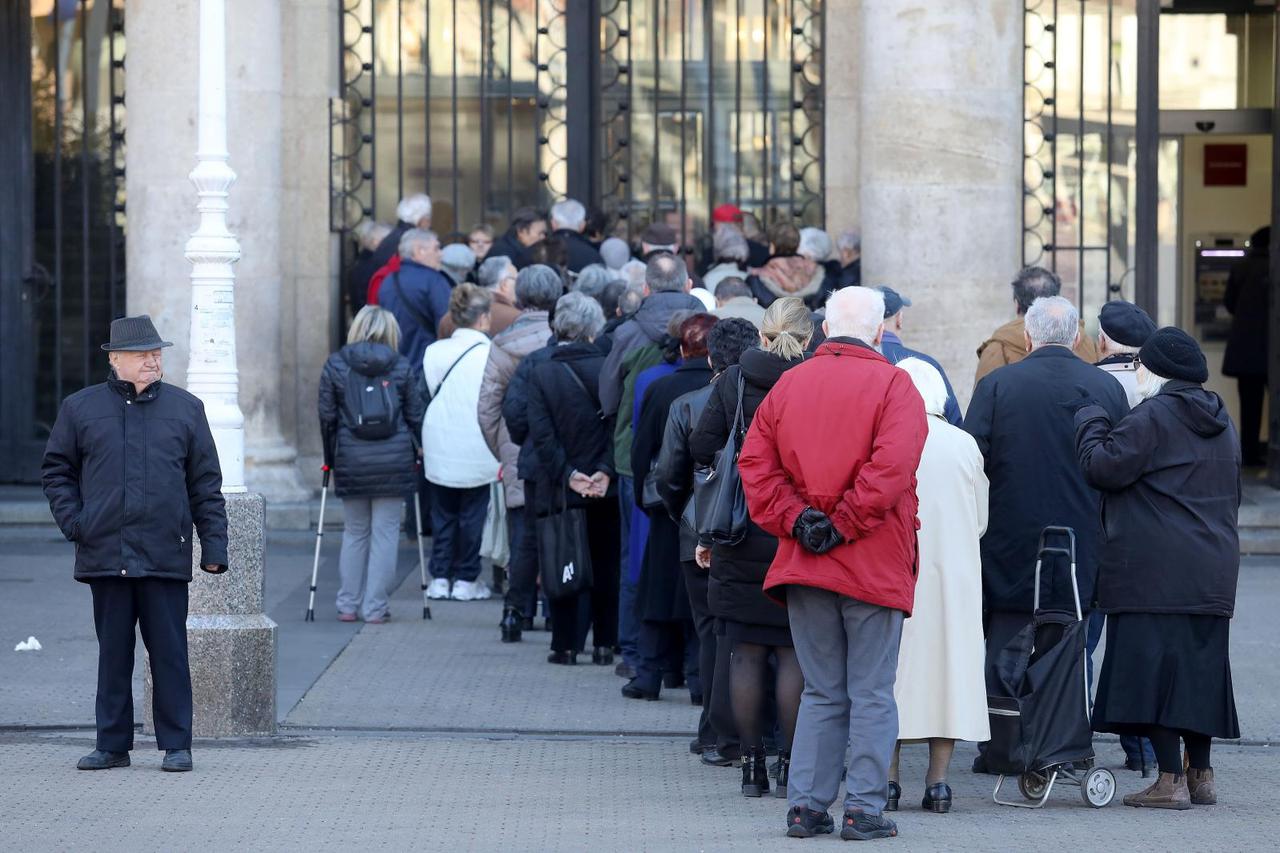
column 528, row 333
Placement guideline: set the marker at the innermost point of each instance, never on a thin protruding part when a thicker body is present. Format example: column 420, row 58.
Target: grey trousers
column 848, row 652
column 370, row 535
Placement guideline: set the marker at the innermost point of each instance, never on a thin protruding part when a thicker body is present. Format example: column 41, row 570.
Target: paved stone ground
column 434, row 736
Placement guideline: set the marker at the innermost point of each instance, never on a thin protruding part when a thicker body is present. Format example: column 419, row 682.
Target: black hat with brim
column 1173, row 354
column 134, row 334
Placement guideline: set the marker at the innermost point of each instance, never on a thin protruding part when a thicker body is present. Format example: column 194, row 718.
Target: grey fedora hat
column 134, row 334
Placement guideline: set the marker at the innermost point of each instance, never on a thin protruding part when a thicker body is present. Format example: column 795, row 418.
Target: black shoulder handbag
column 564, row 554
column 721, row 507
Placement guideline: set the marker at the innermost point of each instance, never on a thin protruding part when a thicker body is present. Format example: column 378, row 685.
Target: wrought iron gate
column 647, row 109
column 62, row 259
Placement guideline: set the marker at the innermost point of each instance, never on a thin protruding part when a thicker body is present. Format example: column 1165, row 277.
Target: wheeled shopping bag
column 1038, row 700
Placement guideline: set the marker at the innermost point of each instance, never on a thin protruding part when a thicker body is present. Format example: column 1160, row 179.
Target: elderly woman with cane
column 1169, row 474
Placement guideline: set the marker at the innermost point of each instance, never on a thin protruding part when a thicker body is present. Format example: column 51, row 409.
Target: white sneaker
column 439, row 588
column 470, row 591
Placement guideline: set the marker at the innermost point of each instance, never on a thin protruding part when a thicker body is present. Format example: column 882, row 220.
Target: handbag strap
column 458, row 361
column 737, row 415
column 577, row 380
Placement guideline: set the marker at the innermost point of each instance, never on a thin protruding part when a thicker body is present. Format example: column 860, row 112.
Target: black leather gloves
column 815, row 532
column 1083, row 398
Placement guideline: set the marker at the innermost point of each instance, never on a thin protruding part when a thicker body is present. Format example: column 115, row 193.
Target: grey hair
column 728, row 244
column 629, row 302
column 1052, row 320
column 593, row 279
column 568, row 214
column 493, row 271
column 578, row 318
column 538, row 287
column 376, row 324
column 634, row 271
column 665, row 272
column 615, row 252
column 1031, row 284
column 371, row 234
column 415, row 237
column 855, row 312
column 413, row 208
column 928, row 382
column 849, row 241
column 815, row 244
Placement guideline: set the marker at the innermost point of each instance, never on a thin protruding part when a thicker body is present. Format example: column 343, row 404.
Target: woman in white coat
column 455, row 457
column 941, row 687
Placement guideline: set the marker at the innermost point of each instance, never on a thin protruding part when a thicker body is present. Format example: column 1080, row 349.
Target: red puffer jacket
column 842, row 433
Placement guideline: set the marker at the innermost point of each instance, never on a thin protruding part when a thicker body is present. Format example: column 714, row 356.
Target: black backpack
column 372, row 404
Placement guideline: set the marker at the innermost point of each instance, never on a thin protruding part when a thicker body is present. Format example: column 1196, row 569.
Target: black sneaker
column 860, row 826
column 806, row 823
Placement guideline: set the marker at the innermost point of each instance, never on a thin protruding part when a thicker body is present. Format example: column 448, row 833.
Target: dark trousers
column 695, row 583
column 661, row 649
column 720, row 711
column 568, row 625
column 628, row 619
column 522, row 569
column 457, row 524
column 1253, row 390
column 410, row 514
column 159, row 608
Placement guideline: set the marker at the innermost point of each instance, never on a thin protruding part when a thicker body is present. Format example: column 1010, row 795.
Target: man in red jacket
column 828, row 467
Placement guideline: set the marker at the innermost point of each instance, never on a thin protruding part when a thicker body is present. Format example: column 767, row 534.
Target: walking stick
column 422, row 560
column 315, row 563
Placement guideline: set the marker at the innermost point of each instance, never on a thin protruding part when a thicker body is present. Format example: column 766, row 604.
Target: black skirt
column 761, row 635
column 1171, row 670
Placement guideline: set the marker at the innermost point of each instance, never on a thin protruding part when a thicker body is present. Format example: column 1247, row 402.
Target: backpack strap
column 465, row 352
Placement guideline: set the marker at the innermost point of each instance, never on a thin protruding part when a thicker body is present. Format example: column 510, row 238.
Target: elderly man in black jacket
column 130, row 465
column 1021, row 417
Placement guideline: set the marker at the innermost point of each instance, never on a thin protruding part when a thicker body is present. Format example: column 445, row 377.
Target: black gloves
column 815, row 532
column 1083, row 399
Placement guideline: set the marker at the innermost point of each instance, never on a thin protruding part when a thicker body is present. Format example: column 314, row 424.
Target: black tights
column 748, row 672
column 1168, row 750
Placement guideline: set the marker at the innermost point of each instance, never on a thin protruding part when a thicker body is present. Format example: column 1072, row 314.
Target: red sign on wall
column 1226, row 165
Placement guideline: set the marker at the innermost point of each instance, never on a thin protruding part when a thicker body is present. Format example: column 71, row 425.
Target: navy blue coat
column 892, row 348
column 1023, row 418
column 425, row 303
column 127, row 474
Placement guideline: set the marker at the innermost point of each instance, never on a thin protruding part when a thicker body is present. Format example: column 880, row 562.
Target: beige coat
column 941, row 687
column 1007, row 346
column 529, row 332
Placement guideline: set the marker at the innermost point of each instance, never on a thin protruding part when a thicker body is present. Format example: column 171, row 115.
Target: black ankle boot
column 895, row 794
column 784, row 773
column 602, row 656
column 755, row 773
column 511, row 628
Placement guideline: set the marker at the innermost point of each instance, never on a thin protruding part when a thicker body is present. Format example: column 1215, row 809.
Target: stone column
column 941, row 168
column 841, row 78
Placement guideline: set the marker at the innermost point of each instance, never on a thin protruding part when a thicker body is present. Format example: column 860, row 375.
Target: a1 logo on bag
column 569, row 573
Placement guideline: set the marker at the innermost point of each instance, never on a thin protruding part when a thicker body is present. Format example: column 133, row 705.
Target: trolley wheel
column 1032, row 785
column 1098, row 787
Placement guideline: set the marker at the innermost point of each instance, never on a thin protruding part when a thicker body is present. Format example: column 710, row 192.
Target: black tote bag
column 564, row 556
column 721, row 507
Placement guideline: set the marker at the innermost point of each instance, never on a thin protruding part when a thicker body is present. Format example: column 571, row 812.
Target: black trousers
column 159, row 608
column 661, row 650
column 522, row 570
column 1253, row 390
column 695, row 583
column 720, row 711
column 410, row 514
column 568, row 622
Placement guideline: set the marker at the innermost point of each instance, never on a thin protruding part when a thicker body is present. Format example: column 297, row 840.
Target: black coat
column 515, row 409
column 507, row 246
column 735, row 589
column 1248, row 300
column 578, row 250
column 127, row 474
column 566, row 432
column 661, row 594
column 363, row 468
column 1022, row 416
column 1169, row 473
column 675, row 471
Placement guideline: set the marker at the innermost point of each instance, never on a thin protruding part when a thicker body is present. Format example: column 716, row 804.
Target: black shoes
column 937, row 798
column 176, row 761
column 100, row 760
column 860, row 826
column 624, row 670
column 697, row 747
column 806, row 823
column 526, row 623
column 895, row 794
column 634, row 690
column 563, row 658
column 715, row 758
column 782, row 776
column 512, row 625
column 672, row 680
column 755, row 773
column 602, row 656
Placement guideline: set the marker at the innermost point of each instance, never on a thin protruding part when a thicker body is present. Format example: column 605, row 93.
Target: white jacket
column 454, row 452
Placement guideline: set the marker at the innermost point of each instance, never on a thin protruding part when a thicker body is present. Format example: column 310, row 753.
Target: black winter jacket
column 1169, row 473
column 1249, row 301
column 364, row 468
column 507, row 246
column 735, row 589
column 127, row 474
column 675, row 471
column 566, row 433
column 578, row 250
column 515, row 409
column 1022, row 417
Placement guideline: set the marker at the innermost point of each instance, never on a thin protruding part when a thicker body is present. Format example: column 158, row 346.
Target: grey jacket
column 649, row 325
column 529, row 332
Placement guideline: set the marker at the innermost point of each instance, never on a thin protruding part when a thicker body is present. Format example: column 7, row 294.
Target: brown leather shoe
column 1200, row 785
column 1168, row 792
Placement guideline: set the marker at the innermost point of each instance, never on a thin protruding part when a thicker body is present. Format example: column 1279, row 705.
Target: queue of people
column 729, row 473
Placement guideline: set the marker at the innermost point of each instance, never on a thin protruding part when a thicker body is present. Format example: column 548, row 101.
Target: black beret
column 1125, row 323
column 1173, row 354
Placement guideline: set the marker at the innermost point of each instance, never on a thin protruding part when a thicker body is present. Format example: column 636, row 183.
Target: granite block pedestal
column 231, row 641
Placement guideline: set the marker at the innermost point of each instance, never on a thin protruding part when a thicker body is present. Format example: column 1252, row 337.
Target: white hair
column 1113, row 347
column 568, row 214
column 815, row 244
column 415, row 237
column 849, row 241
column 928, row 382
column 414, row 208
column 1052, row 320
column 1148, row 382
column 855, row 312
